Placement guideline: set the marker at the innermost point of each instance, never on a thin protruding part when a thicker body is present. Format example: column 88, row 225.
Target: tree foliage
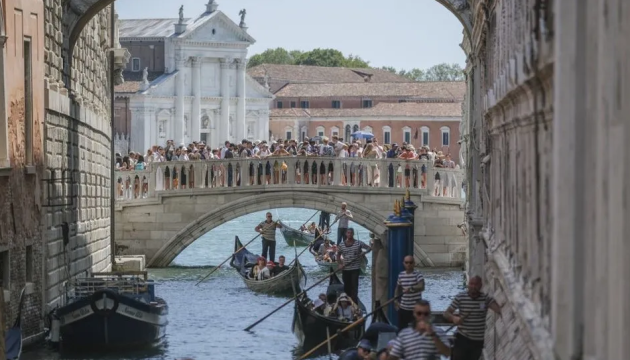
column 335, row 58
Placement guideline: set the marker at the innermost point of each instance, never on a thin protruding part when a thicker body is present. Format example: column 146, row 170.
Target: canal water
column 206, row 322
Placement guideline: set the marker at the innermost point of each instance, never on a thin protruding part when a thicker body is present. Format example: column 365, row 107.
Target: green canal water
column 206, row 322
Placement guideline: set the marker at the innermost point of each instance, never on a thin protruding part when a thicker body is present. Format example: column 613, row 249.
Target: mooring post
column 398, row 245
column 410, row 212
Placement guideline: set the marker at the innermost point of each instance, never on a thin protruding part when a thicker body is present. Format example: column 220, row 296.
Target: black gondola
column 380, row 332
column 312, row 328
column 111, row 311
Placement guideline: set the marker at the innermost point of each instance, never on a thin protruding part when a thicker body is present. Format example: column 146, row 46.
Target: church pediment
column 216, row 27
column 255, row 90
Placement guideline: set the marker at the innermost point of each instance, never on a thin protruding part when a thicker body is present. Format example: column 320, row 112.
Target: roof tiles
column 380, row 109
column 424, row 90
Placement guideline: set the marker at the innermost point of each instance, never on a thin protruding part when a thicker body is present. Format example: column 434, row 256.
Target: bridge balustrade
column 419, row 176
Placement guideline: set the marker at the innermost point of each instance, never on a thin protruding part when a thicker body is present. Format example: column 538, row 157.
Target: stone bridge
column 163, row 209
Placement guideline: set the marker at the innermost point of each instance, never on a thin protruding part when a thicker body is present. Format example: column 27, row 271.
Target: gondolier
column 349, row 255
column 343, row 217
column 268, row 231
column 410, row 285
column 471, row 322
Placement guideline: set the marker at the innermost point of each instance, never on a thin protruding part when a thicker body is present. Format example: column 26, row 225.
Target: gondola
column 380, row 332
column 110, row 311
column 285, row 282
column 332, row 266
column 312, row 328
column 295, row 237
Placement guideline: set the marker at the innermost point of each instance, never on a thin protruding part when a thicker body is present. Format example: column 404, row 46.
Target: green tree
column 414, row 74
column 391, row 69
column 353, row 61
column 272, row 56
column 445, row 72
column 322, row 57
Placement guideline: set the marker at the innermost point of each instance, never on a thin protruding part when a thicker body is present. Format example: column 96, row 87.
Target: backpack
column 329, row 151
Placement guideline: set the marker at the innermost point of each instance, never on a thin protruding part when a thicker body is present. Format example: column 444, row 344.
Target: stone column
column 138, row 130
column 150, row 130
column 241, row 127
column 196, row 105
column 179, row 103
column 263, row 124
column 223, row 125
column 214, row 128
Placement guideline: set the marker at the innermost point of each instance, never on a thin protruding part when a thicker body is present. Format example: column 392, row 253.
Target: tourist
column 410, row 285
column 349, row 255
column 364, row 349
column 261, row 265
column 343, row 217
column 280, row 267
column 320, row 304
column 421, row 340
column 471, row 322
column 345, row 309
column 268, row 230
column 267, row 272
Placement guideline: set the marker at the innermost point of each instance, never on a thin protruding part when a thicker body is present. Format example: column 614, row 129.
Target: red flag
column 416, row 134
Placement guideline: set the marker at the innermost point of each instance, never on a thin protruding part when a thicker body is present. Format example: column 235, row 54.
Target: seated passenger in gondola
column 345, row 309
column 276, row 270
column 320, row 305
column 312, row 228
column 261, row 265
column 331, row 254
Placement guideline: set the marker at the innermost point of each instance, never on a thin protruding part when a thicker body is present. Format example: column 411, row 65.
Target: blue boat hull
column 122, row 323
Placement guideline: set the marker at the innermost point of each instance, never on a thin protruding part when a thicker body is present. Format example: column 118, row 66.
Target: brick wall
column 21, row 185
column 78, row 151
column 151, row 58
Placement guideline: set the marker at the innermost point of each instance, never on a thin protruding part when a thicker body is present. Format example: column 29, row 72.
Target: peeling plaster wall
column 78, row 150
column 20, row 186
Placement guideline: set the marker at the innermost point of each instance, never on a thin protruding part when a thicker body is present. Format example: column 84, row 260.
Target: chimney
column 211, row 6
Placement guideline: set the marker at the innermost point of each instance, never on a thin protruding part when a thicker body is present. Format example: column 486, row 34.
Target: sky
column 404, row 34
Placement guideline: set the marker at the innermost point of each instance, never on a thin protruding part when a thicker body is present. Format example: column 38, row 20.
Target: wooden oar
column 236, row 252
column 361, row 320
column 289, row 301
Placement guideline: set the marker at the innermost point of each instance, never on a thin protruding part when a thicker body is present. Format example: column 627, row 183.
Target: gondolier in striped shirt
column 349, row 256
column 410, row 285
column 344, row 217
column 268, row 231
column 473, row 306
column 421, row 341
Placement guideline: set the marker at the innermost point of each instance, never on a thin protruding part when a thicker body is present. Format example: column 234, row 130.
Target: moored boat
column 295, row 237
column 110, row 311
column 284, row 282
column 312, row 328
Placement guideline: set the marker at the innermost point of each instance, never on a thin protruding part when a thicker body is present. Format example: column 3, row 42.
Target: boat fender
column 105, row 311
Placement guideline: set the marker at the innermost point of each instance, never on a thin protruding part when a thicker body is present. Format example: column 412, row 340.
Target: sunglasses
column 408, row 262
column 423, row 313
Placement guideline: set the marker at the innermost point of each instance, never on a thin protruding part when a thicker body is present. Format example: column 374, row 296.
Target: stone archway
column 368, row 218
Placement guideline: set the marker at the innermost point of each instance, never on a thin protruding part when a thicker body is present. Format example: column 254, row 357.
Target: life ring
column 105, row 311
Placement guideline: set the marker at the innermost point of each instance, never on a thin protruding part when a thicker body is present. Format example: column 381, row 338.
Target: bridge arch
column 367, row 217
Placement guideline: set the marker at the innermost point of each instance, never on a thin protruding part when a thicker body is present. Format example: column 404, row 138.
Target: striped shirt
column 474, row 313
column 352, row 254
column 406, row 280
column 268, row 230
column 411, row 345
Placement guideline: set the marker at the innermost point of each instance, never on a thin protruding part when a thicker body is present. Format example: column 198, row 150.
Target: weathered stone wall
column 510, row 153
column 78, row 150
column 21, row 185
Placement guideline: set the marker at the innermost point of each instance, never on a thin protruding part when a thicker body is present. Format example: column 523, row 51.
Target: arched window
column 387, row 135
column 321, row 131
column 355, row 128
column 334, row 131
column 425, row 135
column 446, row 135
column 407, row 134
column 288, row 133
column 347, row 133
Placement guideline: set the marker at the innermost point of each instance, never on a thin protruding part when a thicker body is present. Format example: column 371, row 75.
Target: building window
column 304, row 104
column 336, row 104
column 425, row 135
column 204, row 138
column 29, row 263
column 279, row 104
column 320, row 131
column 402, row 101
column 446, row 135
column 334, row 131
column 387, row 135
column 355, row 128
column 287, row 135
column 5, row 268
column 135, row 64
column 407, row 134
column 293, row 105
column 28, row 101
column 367, row 103
column 347, row 132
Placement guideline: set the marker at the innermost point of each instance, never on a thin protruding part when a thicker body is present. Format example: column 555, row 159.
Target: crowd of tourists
column 308, row 171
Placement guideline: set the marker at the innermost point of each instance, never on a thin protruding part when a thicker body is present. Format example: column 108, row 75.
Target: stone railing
column 419, row 176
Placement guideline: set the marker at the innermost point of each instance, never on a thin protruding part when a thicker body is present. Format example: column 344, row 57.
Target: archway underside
column 367, row 217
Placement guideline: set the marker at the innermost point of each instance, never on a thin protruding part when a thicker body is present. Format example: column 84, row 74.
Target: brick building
column 314, row 100
column 21, row 160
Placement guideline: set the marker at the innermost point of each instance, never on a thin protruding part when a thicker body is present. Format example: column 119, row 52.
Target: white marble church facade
column 204, row 93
